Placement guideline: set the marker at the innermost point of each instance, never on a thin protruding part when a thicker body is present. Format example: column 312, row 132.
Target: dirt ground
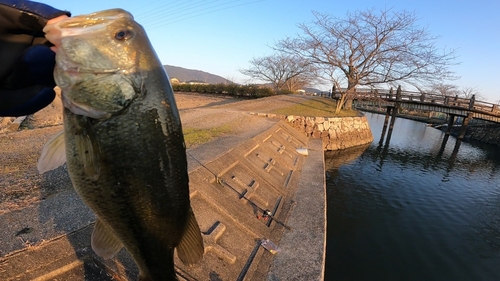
column 20, row 183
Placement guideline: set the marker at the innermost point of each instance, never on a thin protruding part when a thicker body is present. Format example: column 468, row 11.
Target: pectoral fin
column 53, row 154
column 104, row 242
column 190, row 250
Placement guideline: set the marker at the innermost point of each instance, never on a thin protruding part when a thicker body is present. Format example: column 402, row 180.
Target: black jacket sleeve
column 21, row 24
column 26, row 62
column 26, row 17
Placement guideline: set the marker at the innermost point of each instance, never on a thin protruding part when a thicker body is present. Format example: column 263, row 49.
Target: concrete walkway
column 303, row 249
column 50, row 240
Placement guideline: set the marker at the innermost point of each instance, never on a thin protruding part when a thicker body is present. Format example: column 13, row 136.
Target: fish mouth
column 81, row 109
column 73, row 68
column 78, row 25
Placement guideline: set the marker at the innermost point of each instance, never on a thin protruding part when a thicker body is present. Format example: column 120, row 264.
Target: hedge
column 251, row 91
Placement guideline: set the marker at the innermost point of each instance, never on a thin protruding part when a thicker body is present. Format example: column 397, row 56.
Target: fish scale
column 123, row 143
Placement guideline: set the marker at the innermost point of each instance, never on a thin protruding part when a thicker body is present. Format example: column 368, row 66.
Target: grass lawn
column 194, row 136
column 319, row 107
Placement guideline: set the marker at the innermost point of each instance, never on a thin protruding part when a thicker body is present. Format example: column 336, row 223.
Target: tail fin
column 190, row 250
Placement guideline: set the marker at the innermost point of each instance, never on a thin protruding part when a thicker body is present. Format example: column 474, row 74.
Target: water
column 413, row 209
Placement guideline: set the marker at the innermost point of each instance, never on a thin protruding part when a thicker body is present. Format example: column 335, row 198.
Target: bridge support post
column 393, row 118
column 391, row 126
column 464, row 126
column 451, row 120
column 386, row 121
column 450, row 124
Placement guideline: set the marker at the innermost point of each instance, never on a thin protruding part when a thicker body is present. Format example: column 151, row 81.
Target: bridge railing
column 455, row 101
column 487, row 107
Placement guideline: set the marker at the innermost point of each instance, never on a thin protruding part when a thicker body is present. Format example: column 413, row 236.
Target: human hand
column 52, row 33
column 27, row 61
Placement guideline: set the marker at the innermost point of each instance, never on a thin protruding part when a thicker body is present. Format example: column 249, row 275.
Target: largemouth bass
column 123, row 142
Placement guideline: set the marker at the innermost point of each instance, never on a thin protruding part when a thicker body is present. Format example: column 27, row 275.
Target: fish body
column 123, row 142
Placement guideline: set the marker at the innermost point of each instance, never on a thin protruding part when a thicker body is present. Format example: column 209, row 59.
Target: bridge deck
column 430, row 102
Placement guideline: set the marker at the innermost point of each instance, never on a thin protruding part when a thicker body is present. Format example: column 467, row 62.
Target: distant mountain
column 184, row 75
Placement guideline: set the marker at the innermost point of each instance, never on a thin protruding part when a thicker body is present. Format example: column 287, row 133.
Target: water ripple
column 411, row 210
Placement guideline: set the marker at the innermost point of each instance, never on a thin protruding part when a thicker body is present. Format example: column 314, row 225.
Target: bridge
column 454, row 106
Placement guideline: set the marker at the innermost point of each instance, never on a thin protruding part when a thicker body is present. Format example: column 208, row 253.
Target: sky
column 222, row 36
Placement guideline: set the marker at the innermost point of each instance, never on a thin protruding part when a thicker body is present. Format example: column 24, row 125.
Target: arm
column 26, row 16
column 26, row 78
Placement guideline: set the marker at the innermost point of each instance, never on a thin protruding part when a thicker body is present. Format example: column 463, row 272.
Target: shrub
column 251, row 91
column 284, row 92
column 264, row 92
column 232, row 89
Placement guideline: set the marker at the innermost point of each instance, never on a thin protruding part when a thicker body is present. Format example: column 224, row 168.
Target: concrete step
column 229, row 193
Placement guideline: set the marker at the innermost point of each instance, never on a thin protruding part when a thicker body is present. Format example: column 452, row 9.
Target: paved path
column 47, row 209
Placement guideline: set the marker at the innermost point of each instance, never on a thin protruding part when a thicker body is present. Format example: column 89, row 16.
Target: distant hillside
column 184, row 74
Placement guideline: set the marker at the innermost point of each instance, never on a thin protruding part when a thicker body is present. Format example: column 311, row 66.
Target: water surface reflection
column 412, row 209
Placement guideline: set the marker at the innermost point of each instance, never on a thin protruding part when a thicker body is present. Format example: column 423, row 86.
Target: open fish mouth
column 73, row 68
column 83, row 24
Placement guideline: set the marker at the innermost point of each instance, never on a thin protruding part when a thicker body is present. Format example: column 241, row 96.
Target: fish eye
column 123, row 35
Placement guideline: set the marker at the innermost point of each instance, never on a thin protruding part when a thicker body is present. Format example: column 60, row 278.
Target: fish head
column 98, row 61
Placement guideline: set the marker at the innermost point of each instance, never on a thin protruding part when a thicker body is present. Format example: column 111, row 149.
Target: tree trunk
column 340, row 103
column 348, row 104
column 349, row 96
column 351, row 90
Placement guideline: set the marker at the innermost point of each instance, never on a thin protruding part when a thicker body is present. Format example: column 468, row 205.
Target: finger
column 53, row 32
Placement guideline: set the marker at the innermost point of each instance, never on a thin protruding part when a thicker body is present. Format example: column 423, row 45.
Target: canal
column 413, row 209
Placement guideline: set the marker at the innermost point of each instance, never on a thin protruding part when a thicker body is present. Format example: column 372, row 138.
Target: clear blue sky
column 222, row 36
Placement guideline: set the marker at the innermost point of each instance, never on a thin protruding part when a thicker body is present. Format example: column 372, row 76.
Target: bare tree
column 284, row 71
column 230, row 80
column 298, row 82
column 468, row 92
column 445, row 89
column 367, row 48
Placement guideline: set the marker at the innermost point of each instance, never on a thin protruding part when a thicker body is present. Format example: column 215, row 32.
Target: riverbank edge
column 489, row 134
column 308, row 221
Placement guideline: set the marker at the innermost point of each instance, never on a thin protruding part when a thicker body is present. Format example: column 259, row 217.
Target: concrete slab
column 234, row 181
column 50, row 218
column 308, row 218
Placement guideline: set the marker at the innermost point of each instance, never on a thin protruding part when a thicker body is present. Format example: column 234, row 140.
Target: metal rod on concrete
column 264, row 211
column 242, row 196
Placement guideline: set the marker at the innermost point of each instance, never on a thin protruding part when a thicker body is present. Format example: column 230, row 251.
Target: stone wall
column 337, row 132
column 486, row 134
